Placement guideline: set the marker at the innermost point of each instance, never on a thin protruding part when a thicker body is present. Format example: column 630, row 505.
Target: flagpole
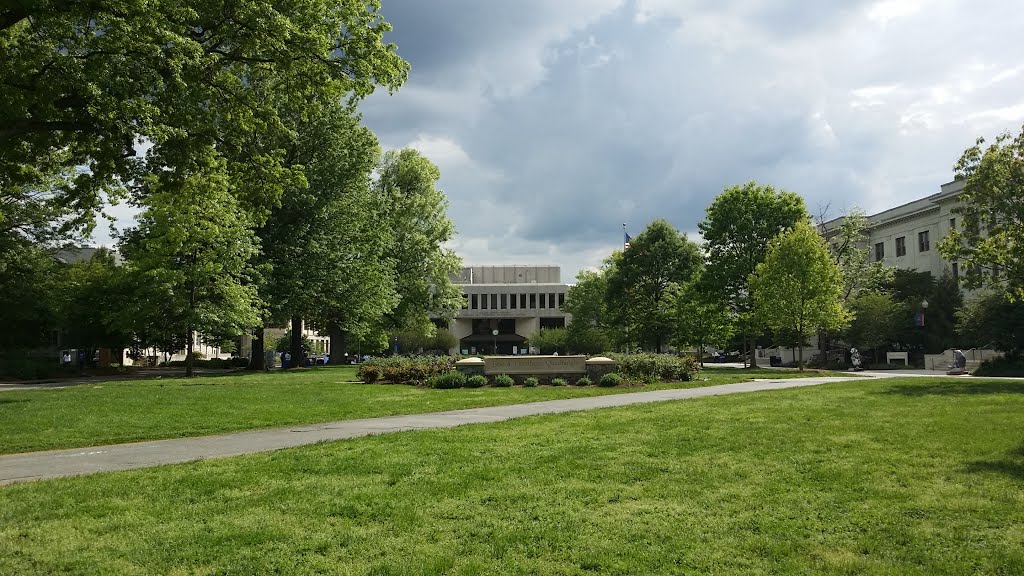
column 623, row 236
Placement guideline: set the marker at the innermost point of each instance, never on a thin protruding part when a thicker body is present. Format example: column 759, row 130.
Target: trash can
column 775, row 360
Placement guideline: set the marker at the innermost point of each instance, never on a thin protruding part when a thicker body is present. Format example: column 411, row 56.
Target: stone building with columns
column 504, row 305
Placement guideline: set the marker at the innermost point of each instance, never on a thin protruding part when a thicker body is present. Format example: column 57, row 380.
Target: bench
column 890, row 356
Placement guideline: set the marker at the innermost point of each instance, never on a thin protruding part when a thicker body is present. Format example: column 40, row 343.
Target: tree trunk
column 188, row 355
column 339, row 345
column 257, row 359
column 296, row 344
column 800, row 358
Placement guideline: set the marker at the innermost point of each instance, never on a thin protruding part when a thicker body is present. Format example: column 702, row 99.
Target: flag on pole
column 625, row 240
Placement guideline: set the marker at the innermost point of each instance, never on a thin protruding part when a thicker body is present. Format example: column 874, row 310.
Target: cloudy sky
column 555, row 121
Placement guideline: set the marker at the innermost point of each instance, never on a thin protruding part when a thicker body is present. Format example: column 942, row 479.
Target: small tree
column 548, row 339
column 798, row 287
column 192, row 251
column 876, row 316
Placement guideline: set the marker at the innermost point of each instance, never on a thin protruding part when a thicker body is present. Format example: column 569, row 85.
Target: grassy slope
column 869, row 477
column 127, row 411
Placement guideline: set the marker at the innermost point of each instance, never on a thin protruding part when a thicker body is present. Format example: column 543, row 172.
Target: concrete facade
column 517, row 301
column 908, row 236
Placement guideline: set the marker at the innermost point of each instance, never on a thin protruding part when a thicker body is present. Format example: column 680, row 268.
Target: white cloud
column 443, row 151
column 888, row 10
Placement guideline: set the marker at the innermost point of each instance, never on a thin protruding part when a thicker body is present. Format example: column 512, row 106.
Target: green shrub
column 413, row 370
column 447, row 381
column 476, row 381
column 530, row 382
column 1000, row 367
column 649, row 368
column 558, row 382
column 503, row 381
column 610, row 379
column 584, row 381
column 369, row 373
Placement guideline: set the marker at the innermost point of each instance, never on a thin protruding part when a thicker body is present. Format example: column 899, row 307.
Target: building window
column 533, row 301
column 879, row 251
column 522, row 301
column 561, row 299
column 474, row 302
column 494, row 301
column 549, row 323
column 465, row 301
column 513, row 300
column 543, row 300
column 504, row 301
column 956, row 271
column 901, row 246
column 483, row 301
column 922, row 242
column 551, row 300
column 952, row 224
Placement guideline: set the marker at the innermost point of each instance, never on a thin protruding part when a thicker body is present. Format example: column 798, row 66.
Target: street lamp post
column 924, row 339
column 495, row 334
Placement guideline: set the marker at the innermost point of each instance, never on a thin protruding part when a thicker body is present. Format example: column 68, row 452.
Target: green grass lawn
column 903, row 476
column 128, row 411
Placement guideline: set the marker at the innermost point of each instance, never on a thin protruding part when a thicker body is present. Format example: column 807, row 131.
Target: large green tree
column 192, row 251
column 737, row 229
column 591, row 329
column 699, row 318
column 798, row 286
column 323, row 257
column 639, row 284
column 84, row 83
column 415, row 211
column 990, row 237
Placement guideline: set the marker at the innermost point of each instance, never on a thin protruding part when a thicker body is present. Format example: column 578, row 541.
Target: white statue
column 855, row 359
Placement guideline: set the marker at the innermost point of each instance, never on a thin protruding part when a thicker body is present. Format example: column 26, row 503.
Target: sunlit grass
column 908, row 476
column 127, row 411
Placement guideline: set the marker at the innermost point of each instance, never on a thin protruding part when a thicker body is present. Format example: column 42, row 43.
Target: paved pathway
column 78, row 461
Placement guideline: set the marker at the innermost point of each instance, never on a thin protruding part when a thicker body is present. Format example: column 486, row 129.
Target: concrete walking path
column 78, row 461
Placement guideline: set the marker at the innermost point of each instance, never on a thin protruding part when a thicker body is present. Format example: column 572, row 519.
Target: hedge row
column 645, row 367
column 453, row 379
column 405, row 369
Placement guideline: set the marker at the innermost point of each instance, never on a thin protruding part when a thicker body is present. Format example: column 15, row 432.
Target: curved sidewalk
column 78, row 461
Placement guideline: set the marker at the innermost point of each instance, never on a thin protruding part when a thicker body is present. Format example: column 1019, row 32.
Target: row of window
column 551, row 300
column 923, row 243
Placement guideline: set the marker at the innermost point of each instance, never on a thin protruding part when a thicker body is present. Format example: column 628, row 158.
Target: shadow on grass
column 955, row 388
column 1012, row 465
column 12, row 400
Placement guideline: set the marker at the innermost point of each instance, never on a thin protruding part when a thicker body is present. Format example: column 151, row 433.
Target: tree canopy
column 639, row 283
column 86, row 83
column 990, row 236
column 415, row 211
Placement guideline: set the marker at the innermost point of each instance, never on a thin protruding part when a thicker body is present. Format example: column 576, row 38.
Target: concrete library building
column 504, row 305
